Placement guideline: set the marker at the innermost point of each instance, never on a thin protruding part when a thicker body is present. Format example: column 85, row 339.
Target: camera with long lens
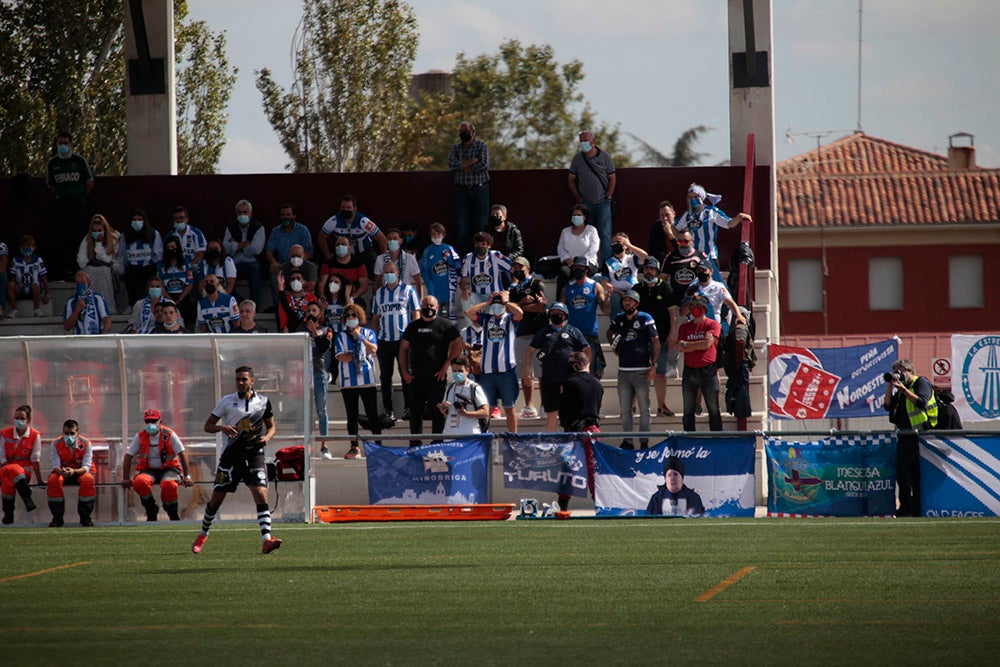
column 892, row 377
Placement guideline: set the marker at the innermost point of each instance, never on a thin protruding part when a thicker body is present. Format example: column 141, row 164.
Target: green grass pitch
column 764, row 591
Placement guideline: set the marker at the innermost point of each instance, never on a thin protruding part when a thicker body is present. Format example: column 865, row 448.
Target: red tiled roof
column 866, row 181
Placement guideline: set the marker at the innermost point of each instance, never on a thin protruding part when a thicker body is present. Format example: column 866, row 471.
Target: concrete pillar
column 751, row 110
column 151, row 108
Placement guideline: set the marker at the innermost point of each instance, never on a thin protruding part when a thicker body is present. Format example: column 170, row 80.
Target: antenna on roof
column 861, row 12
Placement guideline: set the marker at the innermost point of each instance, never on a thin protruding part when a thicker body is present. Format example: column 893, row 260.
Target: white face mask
column 352, row 323
column 296, row 261
column 334, row 287
column 437, row 240
column 296, row 285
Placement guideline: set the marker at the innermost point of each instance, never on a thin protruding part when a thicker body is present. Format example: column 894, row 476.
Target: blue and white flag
column 975, row 376
column 681, row 476
column 448, row 473
column 550, row 462
column 960, row 475
column 840, row 476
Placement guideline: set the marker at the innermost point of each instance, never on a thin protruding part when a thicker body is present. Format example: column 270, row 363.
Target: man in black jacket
column 580, row 410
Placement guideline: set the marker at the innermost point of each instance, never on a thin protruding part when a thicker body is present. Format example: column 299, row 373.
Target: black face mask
column 617, row 248
column 518, row 275
column 213, row 255
column 429, row 312
column 465, row 136
column 346, row 215
column 579, row 272
column 495, row 220
column 172, row 254
column 628, row 311
column 557, row 318
column 704, row 277
column 210, row 288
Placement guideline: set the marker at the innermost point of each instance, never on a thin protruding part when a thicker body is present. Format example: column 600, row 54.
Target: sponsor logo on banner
column 453, row 472
column 843, row 476
column 975, row 359
column 553, row 462
column 828, row 383
column 960, row 475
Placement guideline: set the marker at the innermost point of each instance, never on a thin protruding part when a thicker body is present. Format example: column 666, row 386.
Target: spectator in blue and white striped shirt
column 394, row 306
column 355, row 348
column 499, row 363
column 484, row 271
column 703, row 219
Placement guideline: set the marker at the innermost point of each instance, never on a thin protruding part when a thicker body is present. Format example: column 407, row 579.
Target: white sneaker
column 13, row 313
column 325, row 453
column 529, row 412
column 39, row 312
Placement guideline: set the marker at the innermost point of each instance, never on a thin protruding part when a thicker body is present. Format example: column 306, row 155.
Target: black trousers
column 388, row 361
column 369, row 399
column 426, row 392
column 908, row 474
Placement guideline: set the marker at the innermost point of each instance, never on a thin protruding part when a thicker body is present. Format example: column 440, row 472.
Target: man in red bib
column 72, row 463
column 20, row 453
column 160, row 458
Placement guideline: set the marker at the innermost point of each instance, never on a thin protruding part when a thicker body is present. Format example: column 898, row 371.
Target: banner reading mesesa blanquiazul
column 959, row 475
column 549, row 462
column 681, row 476
column 840, row 476
column 829, row 383
column 452, row 473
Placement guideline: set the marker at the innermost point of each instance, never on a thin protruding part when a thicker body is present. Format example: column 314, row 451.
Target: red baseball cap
column 151, row 415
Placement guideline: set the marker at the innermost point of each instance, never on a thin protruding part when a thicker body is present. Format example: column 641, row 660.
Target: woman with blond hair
column 355, row 347
column 98, row 257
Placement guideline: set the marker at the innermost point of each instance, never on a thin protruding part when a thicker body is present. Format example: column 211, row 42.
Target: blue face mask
column 393, row 245
column 27, row 251
column 137, row 225
column 341, row 250
column 694, row 203
column 585, row 146
column 81, row 289
column 155, row 292
column 97, row 236
column 20, row 424
column 62, row 149
column 458, row 377
column 389, row 278
column 69, row 439
column 243, row 219
column 497, row 309
column 577, row 220
column 152, row 429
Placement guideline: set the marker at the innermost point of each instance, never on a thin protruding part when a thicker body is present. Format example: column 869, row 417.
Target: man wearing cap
column 528, row 293
column 552, row 344
column 633, row 338
column 160, row 458
column 657, row 298
column 716, row 294
column 673, row 497
column 583, row 296
column 704, row 219
column 696, row 339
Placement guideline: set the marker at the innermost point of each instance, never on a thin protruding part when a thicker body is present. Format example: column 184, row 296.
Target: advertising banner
column 550, row 462
column 841, row 476
column 975, row 377
column 448, row 473
column 960, row 475
column 681, row 476
column 828, row 383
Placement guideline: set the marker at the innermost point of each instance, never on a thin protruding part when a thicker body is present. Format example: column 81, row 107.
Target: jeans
column 633, row 384
column 320, row 384
column 3, row 291
column 597, row 362
column 600, row 217
column 472, row 209
column 250, row 271
column 706, row 379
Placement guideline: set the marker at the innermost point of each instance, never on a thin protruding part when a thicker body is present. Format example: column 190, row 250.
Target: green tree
column 525, row 105
column 349, row 107
column 62, row 68
column 684, row 154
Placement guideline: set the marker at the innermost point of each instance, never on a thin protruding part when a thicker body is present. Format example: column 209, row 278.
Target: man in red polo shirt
column 697, row 338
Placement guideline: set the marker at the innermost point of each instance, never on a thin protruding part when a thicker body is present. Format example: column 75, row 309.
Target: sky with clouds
column 658, row 67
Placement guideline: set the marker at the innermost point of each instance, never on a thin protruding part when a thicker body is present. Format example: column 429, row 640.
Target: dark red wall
column 925, row 292
column 538, row 201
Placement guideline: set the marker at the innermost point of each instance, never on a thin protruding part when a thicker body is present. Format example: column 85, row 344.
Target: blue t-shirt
column 582, row 303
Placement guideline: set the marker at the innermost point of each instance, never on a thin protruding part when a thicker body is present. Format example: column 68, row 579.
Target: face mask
column 334, row 287
column 497, row 309
column 628, row 311
column 81, row 289
column 557, row 318
column 685, row 250
column 698, row 311
column 296, row 285
column 172, row 252
column 345, row 214
column 458, row 377
column 650, row 279
column 704, row 277
column 465, row 136
column 62, row 149
column 211, row 288
column 180, row 226
column 579, row 272
column 481, row 252
column 243, row 219
column 585, row 147
column 694, row 203
column 353, row 323
column 155, row 292
column 27, row 251
column 393, row 245
column 617, row 248
column 408, row 238
column 519, row 275
column 389, row 278
column 213, row 255
column 342, row 250
column 152, row 429
column 437, row 240
column 577, row 220
column 20, row 424
column 495, row 220
column 137, row 225
column 69, row 439
column 296, row 261
column 97, row 236
column 430, row 312
column 286, row 222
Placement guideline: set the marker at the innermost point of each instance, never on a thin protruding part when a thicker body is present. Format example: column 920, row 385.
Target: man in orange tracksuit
column 72, row 463
column 160, row 458
column 20, row 453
